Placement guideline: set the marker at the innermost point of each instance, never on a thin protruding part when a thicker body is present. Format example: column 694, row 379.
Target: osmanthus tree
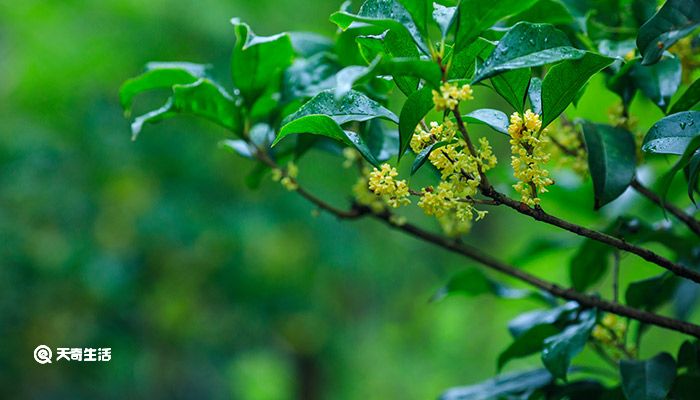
column 295, row 92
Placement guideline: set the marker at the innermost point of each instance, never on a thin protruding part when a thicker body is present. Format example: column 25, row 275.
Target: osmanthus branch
column 490, row 262
column 539, row 214
column 692, row 223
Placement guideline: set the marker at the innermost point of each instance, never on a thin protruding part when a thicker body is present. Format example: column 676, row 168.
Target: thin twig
column 616, row 275
column 692, row 223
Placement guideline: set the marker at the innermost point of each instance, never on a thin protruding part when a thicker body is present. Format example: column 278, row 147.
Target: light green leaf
column 512, row 86
column 476, row 16
column 672, row 134
column 443, row 17
column 514, row 385
column 308, row 44
column 564, row 81
column 473, row 282
column 159, row 76
column 544, row 11
column 560, row 349
column 414, row 109
column 689, row 98
column 528, row 45
column 203, row 98
column 354, row 106
column 658, row 82
column 676, row 19
column 258, row 61
column 496, row 119
column 611, row 160
column 534, row 94
column 651, row 379
column 309, row 76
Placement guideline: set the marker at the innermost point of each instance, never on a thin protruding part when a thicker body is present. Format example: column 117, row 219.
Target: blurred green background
column 202, row 287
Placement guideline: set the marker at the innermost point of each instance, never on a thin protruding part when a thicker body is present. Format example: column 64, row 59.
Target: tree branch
column 692, row 223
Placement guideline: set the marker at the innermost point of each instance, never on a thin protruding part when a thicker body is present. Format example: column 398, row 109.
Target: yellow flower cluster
column 382, row 182
column 287, row 178
column 366, row 197
column 611, row 331
column 450, row 95
column 451, row 202
column 528, row 144
column 567, row 148
column 683, row 49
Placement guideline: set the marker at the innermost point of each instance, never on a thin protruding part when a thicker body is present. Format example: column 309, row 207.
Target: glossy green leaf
column 512, row 86
column 495, row 119
column 686, row 157
column 308, row 44
column 414, row 109
column 611, row 160
column 389, row 14
column 564, row 81
column 307, row 77
column 526, row 321
column 258, row 61
column 159, row 76
column 421, row 12
column 676, row 19
column 649, row 294
column 506, row 386
column 672, row 134
column 443, row 17
column 658, row 82
column 528, row 45
column 463, row 63
column 354, row 106
column 204, row 99
column 422, row 157
column 528, row 343
column 689, row 356
column 690, row 98
column 323, row 125
column 534, row 95
column 560, row 349
column 476, row 16
column 651, row 379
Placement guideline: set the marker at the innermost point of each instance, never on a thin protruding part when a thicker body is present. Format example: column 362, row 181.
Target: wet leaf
column 675, row 19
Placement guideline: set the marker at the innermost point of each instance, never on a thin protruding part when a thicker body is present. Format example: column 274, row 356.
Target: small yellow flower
column 287, row 178
column 383, row 183
column 450, row 95
column 528, row 143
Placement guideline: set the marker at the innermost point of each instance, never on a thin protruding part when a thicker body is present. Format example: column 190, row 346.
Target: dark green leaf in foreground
column 159, row 76
column 651, row 293
column 611, row 160
column 389, row 14
column 476, row 16
column 528, row 45
column 672, row 134
column 514, row 385
column 414, row 109
column 354, row 106
column 658, row 82
column 686, row 157
column 496, row 119
column 258, row 61
column 676, row 19
column 512, row 86
column 526, row 321
column 564, row 81
column 202, row 98
column 528, row 343
column 560, row 349
column 689, row 98
column 650, row 379
column 463, row 62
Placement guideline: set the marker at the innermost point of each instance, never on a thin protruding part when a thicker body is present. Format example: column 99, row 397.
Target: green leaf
column 159, row 76
column 528, row 45
column 443, row 17
column 689, row 356
column 422, row 157
column 496, row 119
column 308, row 44
column 463, row 62
column 526, row 321
column 534, row 94
column 388, row 14
column 560, row 349
column 648, row 380
column 203, row 98
column 588, row 266
column 324, row 125
column 689, row 98
column 514, row 385
column 473, row 282
column 672, row 134
column 308, row 77
column 649, row 294
column 354, row 106
column 611, row 160
column 528, row 343
column 512, row 86
column 676, row 19
column 258, row 61
column 414, row 109
column 544, row 11
column 693, row 174
column 476, row 16
column 564, row 81
column 394, row 44
column 667, row 178
column 658, row 82
column 420, row 11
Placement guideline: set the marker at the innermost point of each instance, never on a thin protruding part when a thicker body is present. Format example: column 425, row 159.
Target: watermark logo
column 42, row 354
